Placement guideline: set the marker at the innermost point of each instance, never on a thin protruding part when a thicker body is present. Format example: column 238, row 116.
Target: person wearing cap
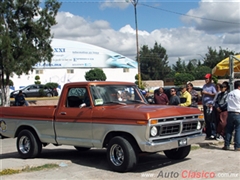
column 208, row 94
column 185, row 98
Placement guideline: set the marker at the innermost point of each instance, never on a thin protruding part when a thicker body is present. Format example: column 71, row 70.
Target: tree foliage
column 37, row 78
column 25, row 35
column 142, row 84
column 202, row 71
column 179, row 67
column 154, row 62
column 183, row 78
column 51, row 85
column 95, row 74
column 214, row 56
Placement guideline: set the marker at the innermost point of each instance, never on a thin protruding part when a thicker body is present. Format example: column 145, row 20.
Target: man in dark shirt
column 160, row 97
column 20, row 100
column 174, row 99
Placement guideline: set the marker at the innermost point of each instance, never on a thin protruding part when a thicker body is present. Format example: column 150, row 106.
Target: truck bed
column 28, row 112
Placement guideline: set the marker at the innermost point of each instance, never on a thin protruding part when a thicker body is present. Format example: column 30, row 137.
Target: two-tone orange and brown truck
column 111, row 115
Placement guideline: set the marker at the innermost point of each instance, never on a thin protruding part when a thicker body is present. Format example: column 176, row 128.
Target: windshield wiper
column 115, row 102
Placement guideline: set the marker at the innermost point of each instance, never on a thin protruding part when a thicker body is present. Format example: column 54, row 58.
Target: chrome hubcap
column 116, row 155
column 24, row 144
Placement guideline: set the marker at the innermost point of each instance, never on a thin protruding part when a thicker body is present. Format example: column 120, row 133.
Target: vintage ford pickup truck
column 111, row 115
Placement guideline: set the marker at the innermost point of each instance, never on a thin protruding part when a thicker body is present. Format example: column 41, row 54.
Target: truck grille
column 190, row 126
column 177, row 126
column 170, row 129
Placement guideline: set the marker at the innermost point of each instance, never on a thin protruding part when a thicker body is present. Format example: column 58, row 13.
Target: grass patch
column 27, row 169
column 195, row 147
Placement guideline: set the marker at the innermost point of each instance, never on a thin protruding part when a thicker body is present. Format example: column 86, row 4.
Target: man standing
column 160, row 97
column 233, row 120
column 186, row 98
column 174, row 99
column 208, row 94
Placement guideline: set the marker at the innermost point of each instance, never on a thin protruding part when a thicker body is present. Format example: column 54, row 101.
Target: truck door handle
column 63, row 113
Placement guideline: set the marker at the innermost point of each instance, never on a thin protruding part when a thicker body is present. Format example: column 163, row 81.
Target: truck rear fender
column 125, row 135
column 20, row 128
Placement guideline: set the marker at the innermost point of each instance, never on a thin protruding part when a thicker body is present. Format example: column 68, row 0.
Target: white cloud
column 223, row 16
column 185, row 42
column 122, row 4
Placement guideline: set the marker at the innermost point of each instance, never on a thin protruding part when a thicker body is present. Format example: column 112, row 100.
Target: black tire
column 49, row 95
column 178, row 153
column 81, row 149
column 28, row 144
column 121, row 155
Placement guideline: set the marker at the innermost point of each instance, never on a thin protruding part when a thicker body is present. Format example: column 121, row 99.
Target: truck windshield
column 116, row 94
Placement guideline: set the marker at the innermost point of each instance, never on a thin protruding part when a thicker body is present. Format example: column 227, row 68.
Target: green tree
column 179, row 67
column 202, row 71
column 142, row 84
column 191, row 67
column 95, row 74
column 51, row 85
column 183, row 78
column 37, row 78
column 213, row 57
column 25, row 36
column 154, row 62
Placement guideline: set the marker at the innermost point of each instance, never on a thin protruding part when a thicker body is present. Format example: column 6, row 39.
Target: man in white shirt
column 233, row 120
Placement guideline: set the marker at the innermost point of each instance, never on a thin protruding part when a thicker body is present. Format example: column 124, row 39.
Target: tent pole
column 231, row 72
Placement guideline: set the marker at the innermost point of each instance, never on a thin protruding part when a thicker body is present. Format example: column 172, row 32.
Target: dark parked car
column 34, row 90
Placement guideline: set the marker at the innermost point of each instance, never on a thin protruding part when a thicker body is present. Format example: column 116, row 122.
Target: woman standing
column 221, row 110
column 194, row 95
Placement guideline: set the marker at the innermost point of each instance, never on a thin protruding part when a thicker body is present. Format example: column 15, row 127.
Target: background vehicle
column 36, row 90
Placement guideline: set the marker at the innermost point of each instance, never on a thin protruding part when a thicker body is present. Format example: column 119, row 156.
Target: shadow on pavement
column 96, row 158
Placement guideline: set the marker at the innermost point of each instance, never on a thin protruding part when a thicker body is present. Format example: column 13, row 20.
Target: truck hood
column 145, row 112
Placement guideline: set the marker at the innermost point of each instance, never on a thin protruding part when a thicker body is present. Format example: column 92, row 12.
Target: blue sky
column 181, row 27
column 150, row 14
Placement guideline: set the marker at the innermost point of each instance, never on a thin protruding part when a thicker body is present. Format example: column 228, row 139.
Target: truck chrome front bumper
column 167, row 144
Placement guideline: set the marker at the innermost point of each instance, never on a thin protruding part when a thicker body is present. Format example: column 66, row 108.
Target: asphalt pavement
column 208, row 157
column 11, row 160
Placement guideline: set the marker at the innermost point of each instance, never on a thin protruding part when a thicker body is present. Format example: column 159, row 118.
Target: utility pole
column 134, row 2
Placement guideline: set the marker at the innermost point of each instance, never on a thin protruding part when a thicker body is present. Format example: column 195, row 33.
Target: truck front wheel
column 121, row 155
column 28, row 145
column 178, row 153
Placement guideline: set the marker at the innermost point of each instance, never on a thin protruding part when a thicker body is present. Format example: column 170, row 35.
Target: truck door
column 73, row 123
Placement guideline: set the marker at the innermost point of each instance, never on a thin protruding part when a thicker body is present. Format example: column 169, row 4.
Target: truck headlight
column 199, row 125
column 153, row 131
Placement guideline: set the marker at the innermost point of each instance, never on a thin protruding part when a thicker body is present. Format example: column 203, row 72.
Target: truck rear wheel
column 28, row 144
column 121, row 155
column 178, row 153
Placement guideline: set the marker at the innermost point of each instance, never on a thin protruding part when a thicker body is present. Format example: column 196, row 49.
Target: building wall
column 62, row 76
